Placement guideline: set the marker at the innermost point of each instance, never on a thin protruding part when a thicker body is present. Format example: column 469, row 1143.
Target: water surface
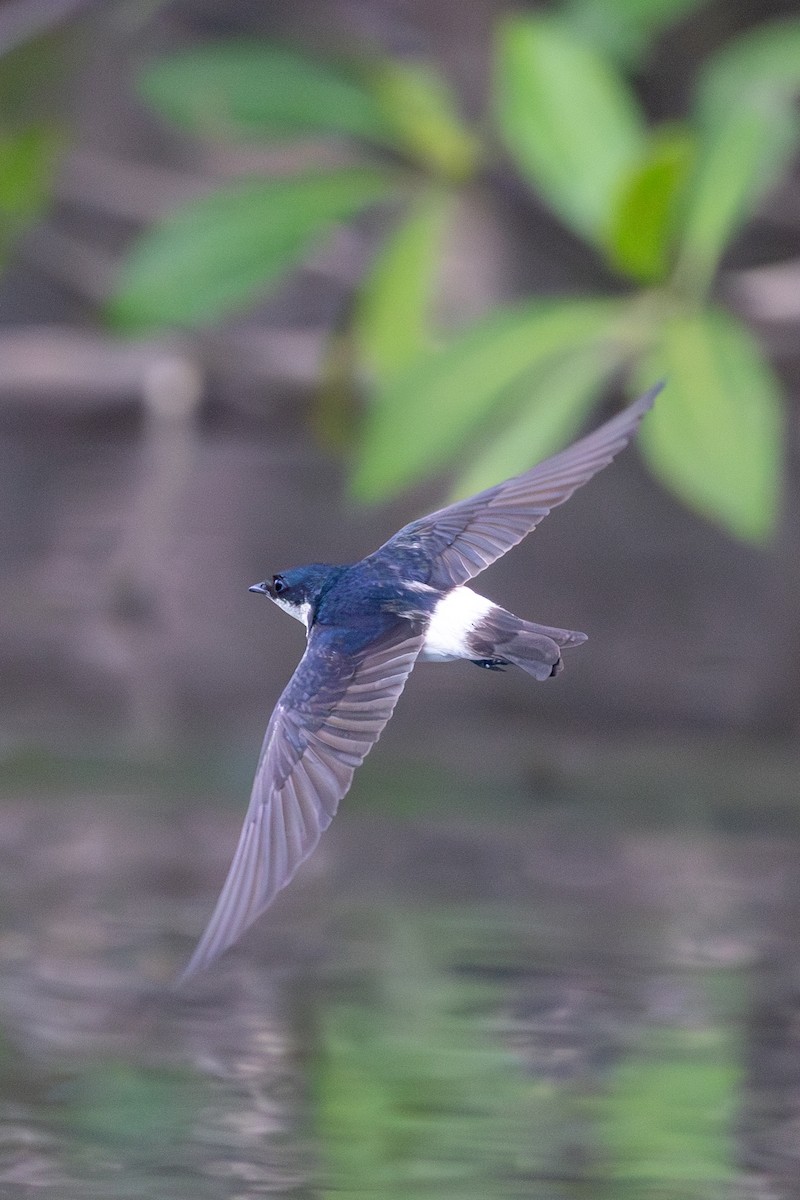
column 467, row 993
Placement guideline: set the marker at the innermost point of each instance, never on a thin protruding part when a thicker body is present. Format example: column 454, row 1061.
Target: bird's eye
column 278, row 585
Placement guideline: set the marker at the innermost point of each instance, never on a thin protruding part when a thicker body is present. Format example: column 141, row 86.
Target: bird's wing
column 331, row 713
column 461, row 541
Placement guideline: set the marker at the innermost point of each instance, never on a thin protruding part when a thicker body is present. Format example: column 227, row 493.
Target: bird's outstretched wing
column 457, row 543
column 331, row 713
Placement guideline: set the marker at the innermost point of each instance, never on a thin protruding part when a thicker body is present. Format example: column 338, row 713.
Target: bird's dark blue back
column 368, row 597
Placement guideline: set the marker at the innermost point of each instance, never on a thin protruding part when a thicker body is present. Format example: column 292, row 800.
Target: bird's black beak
column 261, row 588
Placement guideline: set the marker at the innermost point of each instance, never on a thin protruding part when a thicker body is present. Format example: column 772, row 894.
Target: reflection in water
column 471, row 1073
column 524, row 1007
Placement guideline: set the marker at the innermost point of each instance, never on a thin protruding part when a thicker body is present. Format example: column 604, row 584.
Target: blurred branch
column 140, row 591
column 769, row 293
column 81, row 371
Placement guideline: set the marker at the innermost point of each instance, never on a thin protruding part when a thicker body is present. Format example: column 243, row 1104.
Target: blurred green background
column 277, row 279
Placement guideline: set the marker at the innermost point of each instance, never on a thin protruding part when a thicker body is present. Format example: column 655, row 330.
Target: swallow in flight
column 367, row 624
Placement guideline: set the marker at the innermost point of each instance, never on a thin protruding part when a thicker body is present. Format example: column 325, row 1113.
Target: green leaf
column 643, row 222
column 623, row 29
column 27, row 166
column 253, row 89
column 715, row 436
column 557, row 399
column 737, row 164
column 568, row 118
column 763, row 62
column 27, row 160
column 749, row 133
column 423, row 417
column 216, row 254
column 391, row 324
column 420, row 109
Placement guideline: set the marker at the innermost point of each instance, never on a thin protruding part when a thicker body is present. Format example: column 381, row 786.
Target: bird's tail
column 534, row 648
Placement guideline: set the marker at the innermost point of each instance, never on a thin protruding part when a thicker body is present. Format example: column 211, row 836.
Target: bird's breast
column 453, row 620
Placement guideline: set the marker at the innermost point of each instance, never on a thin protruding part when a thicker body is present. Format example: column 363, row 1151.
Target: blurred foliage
column 222, row 249
column 412, row 1095
column 720, row 455
column 658, row 205
column 247, row 89
column 667, row 1116
column 30, row 135
column 27, row 158
column 624, row 29
column 416, row 1092
column 446, row 394
column 391, row 320
column 134, row 1110
column 568, row 119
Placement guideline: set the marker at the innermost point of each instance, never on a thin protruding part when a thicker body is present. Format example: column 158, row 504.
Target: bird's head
column 297, row 590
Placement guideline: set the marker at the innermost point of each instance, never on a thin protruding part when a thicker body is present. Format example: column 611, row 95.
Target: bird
column 367, row 624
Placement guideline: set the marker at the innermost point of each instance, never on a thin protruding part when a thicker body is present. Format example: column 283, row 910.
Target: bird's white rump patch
column 454, row 618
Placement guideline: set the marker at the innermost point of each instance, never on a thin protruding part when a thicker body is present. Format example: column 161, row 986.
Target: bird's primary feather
column 331, row 713
column 455, row 544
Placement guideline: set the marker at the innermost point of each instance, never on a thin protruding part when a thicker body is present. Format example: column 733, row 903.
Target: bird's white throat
column 454, row 618
column 300, row 612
